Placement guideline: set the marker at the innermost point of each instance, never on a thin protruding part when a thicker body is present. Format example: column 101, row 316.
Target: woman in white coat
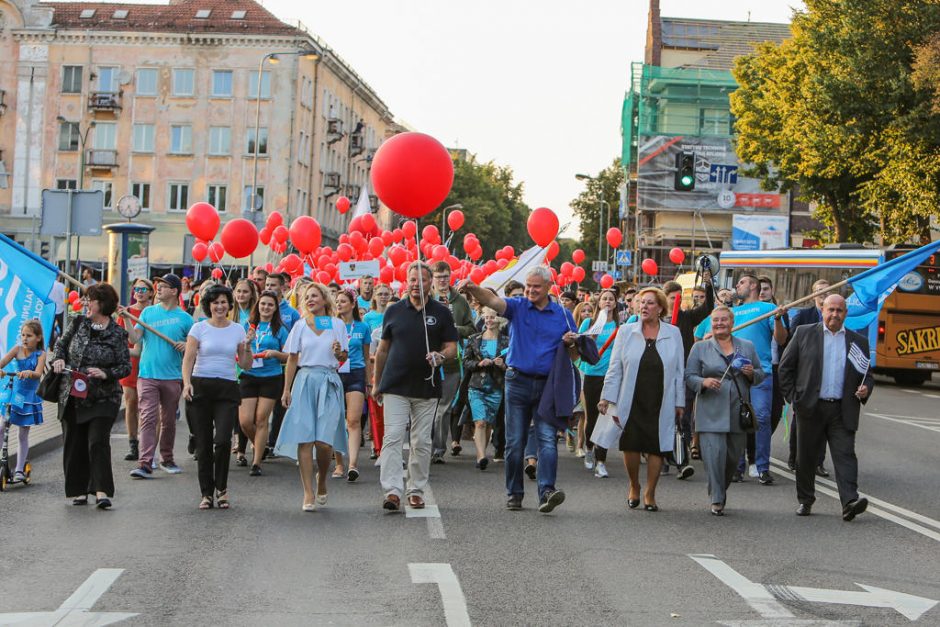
column 645, row 382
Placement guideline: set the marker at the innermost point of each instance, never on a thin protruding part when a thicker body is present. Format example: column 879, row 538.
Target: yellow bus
column 908, row 334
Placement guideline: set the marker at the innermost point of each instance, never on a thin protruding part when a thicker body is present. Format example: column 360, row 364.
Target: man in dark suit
column 824, row 373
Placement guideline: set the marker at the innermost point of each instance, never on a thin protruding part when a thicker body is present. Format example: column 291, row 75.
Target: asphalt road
column 591, row 562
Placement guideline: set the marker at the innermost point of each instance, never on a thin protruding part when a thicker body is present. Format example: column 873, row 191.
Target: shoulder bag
column 747, row 419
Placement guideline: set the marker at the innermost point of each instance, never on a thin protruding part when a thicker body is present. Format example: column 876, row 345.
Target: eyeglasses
column 141, row 290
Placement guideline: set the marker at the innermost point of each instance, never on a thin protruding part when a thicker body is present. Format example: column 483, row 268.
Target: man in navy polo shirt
column 537, row 326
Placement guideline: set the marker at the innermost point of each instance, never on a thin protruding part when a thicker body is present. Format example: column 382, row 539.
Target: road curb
column 42, row 447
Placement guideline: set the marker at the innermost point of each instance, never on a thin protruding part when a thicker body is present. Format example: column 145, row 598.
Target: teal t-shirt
column 760, row 334
column 600, row 368
column 264, row 341
column 158, row 358
column 358, row 334
column 374, row 319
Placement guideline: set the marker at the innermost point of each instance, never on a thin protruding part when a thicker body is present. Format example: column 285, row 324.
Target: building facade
column 174, row 104
column 677, row 107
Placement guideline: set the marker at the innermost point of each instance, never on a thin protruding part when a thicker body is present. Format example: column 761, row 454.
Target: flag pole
column 798, row 301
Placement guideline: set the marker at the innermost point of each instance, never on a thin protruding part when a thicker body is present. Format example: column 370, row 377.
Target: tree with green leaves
column 592, row 213
column 837, row 111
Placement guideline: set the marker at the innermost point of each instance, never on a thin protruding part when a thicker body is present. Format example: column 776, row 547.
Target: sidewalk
column 42, row 438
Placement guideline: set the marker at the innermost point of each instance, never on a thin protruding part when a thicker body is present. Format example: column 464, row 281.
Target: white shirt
column 316, row 350
column 218, row 349
column 58, row 297
column 833, row 374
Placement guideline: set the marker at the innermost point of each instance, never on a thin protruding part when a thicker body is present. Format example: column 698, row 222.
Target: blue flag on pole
column 25, row 283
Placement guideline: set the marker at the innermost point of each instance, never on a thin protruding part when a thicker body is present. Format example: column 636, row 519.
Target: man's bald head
column 833, row 312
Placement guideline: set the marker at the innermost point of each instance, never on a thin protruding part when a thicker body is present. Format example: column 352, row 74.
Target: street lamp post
column 444, row 219
column 82, row 138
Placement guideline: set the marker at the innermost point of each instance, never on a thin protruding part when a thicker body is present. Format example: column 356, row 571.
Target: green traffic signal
column 685, row 172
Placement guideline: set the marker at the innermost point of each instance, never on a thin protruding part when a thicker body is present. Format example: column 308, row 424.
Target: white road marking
column 431, row 512
column 763, row 598
column 75, row 609
column 930, row 424
column 930, row 395
column 878, row 508
column 455, row 604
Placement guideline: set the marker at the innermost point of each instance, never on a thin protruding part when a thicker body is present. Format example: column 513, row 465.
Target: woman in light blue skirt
column 313, row 393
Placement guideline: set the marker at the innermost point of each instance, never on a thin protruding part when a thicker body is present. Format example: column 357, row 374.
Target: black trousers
column 213, row 413
column 499, row 431
column 824, row 424
column 592, row 387
column 86, row 454
column 276, row 420
column 776, row 402
column 794, row 436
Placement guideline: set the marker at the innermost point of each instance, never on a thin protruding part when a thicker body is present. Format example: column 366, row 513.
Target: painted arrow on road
column 763, row 598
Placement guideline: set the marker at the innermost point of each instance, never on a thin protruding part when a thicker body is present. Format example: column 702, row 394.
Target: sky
column 536, row 86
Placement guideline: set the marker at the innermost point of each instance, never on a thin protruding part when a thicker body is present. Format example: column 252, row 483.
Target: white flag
column 362, row 205
column 517, row 269
column 598, row 326
column 859, row 359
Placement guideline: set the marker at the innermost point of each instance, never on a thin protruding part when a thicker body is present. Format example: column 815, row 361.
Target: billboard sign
column 755, row 232
column 719, row 185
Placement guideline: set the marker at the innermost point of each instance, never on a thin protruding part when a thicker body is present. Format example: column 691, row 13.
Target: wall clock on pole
column 129, row 207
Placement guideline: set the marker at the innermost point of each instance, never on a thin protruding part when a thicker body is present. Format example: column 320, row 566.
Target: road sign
column 720, row 173
column 624, row 258
column 764, row 597
column 87, row 212
column 599, row 266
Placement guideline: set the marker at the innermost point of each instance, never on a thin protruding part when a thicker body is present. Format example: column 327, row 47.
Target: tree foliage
column 837, row 110
column 605, row 185
column 492, row 206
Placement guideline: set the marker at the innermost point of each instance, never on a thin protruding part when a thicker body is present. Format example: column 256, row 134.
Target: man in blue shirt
column 537, row 326
column 761, row 334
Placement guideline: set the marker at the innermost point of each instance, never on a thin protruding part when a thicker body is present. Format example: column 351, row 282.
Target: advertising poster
column 138, row 263
column 756, row 232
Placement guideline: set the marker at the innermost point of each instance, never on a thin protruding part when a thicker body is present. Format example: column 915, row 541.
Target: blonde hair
column 579, row 312
column 660, row 297
column 502, row 321
column 722, row 308
column 324, row 294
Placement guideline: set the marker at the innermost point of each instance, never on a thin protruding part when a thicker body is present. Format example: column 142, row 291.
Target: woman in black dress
column 645, row 382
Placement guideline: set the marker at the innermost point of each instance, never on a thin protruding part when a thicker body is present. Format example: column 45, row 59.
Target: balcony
column 98, row 159
column 105, row 101
column 374, row 202
column 334, row 130
column 353, row 191
column 356, row 144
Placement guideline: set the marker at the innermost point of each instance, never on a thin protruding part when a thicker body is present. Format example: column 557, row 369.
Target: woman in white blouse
column 313, row 392
column 211, row 389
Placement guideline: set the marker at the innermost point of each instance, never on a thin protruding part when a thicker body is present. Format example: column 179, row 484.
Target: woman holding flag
column 603, row 328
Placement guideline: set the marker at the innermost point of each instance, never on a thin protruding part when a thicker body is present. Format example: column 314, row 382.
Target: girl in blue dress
column 25, row 406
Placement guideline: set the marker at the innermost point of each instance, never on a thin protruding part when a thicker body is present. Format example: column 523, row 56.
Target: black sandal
column 221, row 498
column 241, row 460
column 80, row 500
column 455, row 450
column 717, row 512
column 205, row 503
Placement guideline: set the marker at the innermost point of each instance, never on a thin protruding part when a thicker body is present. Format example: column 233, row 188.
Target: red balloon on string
column 239, row 237
column 476, row 253
column 202, row 220
column 74, row 296
column 357, row 240
column 323, row 277
column 455, row 219
column 677, row 256
column 439, row 252
column 342, row 204
column 552, row 251
column 387, row 274
column 430, row 234
column 367, row 222
column 265, row 236
column 542, row 226
column 453, row 262
column 397, row 255
column 567, row 268
column 305, row 234
column 650, row 267
column 577, row 275
column 280, row 234
column 477, row 275
column 200, row 252
column 77, row 305
column 376, row 246
column 216, row 252
column 409, row 229
column 345, row 252
column 577, row 256
column 387, row 238
column 614, row 237
column 607, row 281
column 502, row 263
column 490, row 266
column 274, row 220
column 217, row 273
column 412, row 173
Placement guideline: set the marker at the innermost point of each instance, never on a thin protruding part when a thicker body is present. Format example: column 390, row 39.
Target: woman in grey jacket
column 714, row 366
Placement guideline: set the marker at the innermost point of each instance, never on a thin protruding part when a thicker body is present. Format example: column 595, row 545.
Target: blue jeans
column 532, row 445
column 761, row 399
column 522, row 400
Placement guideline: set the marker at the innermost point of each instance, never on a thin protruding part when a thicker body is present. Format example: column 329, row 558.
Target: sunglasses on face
column 141, row 290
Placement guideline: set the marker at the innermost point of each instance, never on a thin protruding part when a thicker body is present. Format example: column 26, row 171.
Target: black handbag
column 747, row 419
column 49, row 386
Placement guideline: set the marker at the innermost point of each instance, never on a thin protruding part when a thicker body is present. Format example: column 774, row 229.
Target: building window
column 66, row 184
column 141, row 191
column 68, row 136
column 106, row 187
column 179, row 197
column 72, row 79
column 105, row 136
column 108, row 79
column 262, row 141
column 221, row 83
column 143, row 137
column 203, row 14
column 215, row 196
column 714, row 122
column 146, row 81
column 184, row 82
column 265, row 85
column 181, row 140
column 247, row 199
column 220, row 140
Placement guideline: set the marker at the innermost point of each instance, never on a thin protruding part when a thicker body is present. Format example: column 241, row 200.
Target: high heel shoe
column 650, row 507
column 321, row 498
column 633, row 503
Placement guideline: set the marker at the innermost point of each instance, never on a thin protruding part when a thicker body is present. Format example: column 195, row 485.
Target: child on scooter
column 24, row 403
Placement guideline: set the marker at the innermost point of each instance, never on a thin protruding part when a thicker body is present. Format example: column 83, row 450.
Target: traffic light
column 685, row 172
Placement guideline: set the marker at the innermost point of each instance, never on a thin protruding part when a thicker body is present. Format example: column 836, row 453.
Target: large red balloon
column 614, row 237
column 216, row 252
column 677, row 256
column 577, row 256
column 577, row 275
column 650, row 267
column 542, row 226
column 455, row 219
column 342, row 204
column 200, row 252
column 305, row 234
column 202, row 220
column 412, row 173
column 239, row 237
column 607, row 281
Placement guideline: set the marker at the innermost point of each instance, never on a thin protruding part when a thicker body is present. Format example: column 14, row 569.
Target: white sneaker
column 600, row 470
column 752, row 471
column 579, row 452
column 589, row 460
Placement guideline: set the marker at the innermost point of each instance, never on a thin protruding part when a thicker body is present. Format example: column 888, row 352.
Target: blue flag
column 25, row 283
